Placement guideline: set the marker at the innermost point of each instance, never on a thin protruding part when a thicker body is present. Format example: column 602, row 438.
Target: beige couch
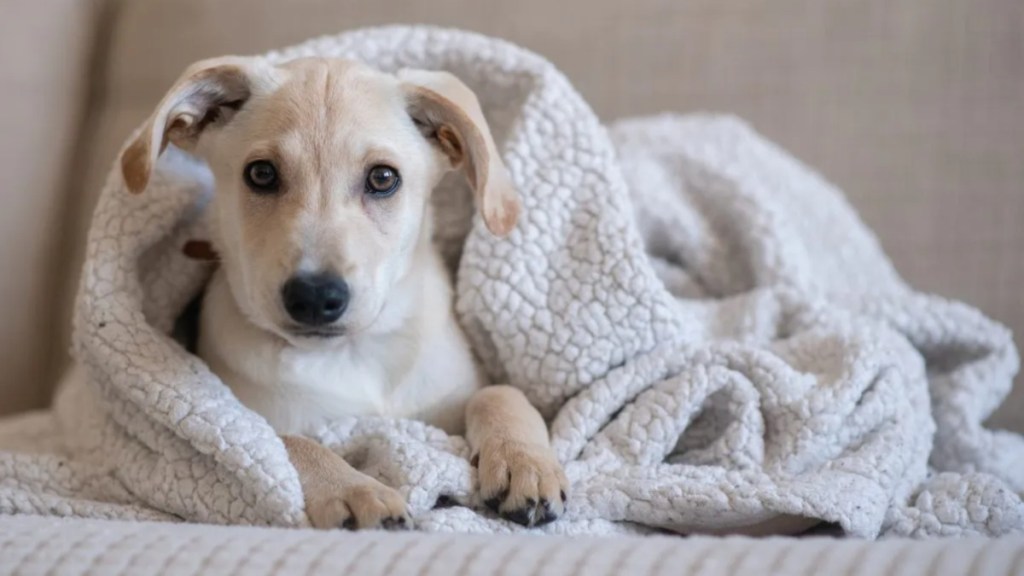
column 914, row 108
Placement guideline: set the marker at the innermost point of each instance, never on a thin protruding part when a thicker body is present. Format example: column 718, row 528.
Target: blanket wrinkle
column 719, row 343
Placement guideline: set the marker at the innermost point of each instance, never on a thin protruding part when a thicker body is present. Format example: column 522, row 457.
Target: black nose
column 315, row 299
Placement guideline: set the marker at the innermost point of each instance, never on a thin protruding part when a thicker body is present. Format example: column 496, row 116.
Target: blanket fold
column 718, row 341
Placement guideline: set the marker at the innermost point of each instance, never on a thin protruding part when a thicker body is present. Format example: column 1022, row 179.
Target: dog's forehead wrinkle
column 326, row 109
column 336, row 105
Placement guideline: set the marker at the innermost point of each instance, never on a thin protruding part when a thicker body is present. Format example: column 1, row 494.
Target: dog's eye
column 382, row 181
column 261, row 176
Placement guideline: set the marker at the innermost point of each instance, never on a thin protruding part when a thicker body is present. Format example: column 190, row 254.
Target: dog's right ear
column 209, row 92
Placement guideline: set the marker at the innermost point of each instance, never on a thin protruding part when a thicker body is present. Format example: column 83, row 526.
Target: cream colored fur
column 397, row 351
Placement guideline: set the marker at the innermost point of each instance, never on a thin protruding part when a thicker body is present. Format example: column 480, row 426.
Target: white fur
column 413, row 363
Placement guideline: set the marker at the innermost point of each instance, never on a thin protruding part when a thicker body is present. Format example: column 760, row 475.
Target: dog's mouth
column 317, row 333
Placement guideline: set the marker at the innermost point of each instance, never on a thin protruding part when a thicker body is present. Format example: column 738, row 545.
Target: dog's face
column 323, row 171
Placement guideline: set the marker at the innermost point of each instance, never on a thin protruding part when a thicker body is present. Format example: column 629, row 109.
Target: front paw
column 522, row 482
column 367, row 505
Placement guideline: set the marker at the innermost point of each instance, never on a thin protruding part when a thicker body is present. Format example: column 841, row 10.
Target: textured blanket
column 719, row 342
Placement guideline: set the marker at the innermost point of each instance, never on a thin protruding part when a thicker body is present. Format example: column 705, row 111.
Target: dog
column 330, row 298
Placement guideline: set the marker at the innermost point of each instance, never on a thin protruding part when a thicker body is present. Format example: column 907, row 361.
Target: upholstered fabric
column 911, row 107
column 83, row 547
column 44, row 49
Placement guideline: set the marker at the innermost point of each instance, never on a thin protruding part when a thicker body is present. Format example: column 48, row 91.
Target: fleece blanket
column 719, row 343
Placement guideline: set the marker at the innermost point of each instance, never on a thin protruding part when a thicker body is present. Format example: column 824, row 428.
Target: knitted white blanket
column 717, row 337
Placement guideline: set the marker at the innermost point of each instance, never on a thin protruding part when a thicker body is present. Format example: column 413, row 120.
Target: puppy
column 330, row 299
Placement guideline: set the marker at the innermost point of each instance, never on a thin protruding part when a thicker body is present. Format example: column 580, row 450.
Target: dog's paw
column 367, row 505
column 522, row 482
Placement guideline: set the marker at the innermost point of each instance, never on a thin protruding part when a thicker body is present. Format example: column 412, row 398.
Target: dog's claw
column 523, row 516
column 395, row 523
column 522, row 483
column 549, row 515
column 532, row 515
column 494, row 503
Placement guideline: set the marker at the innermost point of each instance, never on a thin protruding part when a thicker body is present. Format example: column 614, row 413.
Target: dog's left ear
column 448, row 113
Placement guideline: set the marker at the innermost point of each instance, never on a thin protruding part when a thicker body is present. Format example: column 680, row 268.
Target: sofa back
column 913, row 108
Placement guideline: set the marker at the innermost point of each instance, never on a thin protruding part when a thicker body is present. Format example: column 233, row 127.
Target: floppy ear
column 209, row 91
column 448, row 113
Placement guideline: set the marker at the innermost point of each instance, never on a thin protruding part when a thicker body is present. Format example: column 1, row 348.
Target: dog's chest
column 360, row 382
column 298, row 391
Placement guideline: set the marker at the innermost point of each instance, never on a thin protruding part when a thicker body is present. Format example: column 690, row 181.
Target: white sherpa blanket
column 718, row 340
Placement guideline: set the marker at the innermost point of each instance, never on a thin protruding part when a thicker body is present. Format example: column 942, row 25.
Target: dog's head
column 323, row 170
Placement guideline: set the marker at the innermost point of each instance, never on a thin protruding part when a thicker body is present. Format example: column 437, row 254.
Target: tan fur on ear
column 448, row 111
column 136, row 165
column 198, row 98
